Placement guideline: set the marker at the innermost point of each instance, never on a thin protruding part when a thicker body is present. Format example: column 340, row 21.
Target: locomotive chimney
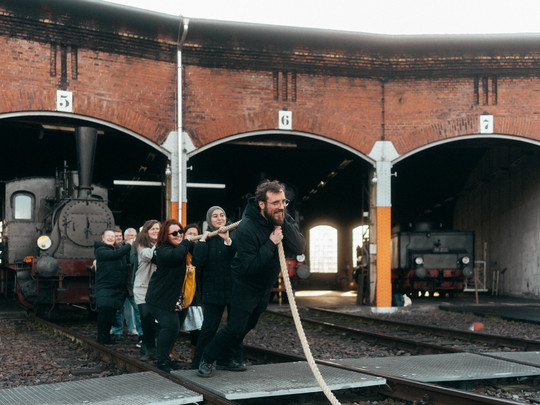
column 86, row 139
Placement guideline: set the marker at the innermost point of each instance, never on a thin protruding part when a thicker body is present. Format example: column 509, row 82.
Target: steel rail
column 525, row 344
column 132, row 365
column 397, row 387
column 379, row 337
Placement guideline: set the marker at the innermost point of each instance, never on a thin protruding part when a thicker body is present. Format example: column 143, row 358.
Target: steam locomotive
column 48, row 232
column 429, row 258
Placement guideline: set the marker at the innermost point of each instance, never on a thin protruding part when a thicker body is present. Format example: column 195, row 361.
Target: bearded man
column 255, row 268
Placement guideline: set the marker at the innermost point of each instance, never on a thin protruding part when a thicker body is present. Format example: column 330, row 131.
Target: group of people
column 235, row 271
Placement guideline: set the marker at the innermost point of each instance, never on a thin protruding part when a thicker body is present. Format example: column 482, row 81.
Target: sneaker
column 139, row 343
column 232, row 366
column 205, row 369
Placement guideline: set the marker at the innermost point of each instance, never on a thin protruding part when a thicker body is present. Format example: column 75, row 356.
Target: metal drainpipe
column 182, row 178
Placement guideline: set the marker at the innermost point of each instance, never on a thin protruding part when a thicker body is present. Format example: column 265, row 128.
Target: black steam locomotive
column 48, row 230
column 429, row 258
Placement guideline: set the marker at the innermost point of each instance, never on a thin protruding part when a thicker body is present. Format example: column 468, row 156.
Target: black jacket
column 111, row 270
column 166, row 282
column 212, row 260
column 256, row 263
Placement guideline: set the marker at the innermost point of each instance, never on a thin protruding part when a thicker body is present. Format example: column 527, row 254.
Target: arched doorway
column 41, row 143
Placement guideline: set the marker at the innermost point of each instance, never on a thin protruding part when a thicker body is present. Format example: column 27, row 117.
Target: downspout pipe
column 181, row 198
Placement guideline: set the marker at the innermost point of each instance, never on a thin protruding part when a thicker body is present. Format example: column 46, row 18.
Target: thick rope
column 214, row 233
column 294, row 310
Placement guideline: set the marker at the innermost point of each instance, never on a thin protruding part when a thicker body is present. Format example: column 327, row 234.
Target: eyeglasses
column 176, row 233
column 278, row 203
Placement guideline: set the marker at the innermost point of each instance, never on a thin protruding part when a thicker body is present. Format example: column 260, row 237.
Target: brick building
column 324, row 111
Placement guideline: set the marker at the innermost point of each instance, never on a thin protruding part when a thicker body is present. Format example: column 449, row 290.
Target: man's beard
column 276, row 220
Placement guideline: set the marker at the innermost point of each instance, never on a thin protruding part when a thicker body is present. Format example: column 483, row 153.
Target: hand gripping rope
column 214, row 233
column 294, row 311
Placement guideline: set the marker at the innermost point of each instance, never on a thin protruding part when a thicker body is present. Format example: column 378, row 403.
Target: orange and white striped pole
column 383, row 153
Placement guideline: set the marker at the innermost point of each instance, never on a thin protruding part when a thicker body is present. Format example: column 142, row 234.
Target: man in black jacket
column 255, row 267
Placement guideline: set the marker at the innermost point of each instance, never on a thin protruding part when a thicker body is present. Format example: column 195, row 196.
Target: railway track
column 419, row 339
column 399, row 388
column 128, row 363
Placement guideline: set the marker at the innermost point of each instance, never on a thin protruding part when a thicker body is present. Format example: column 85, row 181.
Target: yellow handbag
column 188, row 287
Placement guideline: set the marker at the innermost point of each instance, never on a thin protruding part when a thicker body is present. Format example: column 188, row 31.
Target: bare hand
column 277, row 235
column 223, row 235
column 204, row 236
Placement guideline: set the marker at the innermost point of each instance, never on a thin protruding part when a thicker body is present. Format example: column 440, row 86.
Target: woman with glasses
column 165, row 288
column 111, row 271
column 145, row 246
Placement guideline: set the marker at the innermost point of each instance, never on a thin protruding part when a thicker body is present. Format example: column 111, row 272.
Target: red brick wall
column 135, row 93
column 417, row 111
column 220, row 103
column 136, row 88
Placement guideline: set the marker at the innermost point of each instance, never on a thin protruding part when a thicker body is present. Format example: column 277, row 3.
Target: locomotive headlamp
column 418, row 260
column 300, row 258
column 465, row 260
column 44, row 242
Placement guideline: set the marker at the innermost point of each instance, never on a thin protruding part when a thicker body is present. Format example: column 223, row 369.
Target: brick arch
column 510, row 127
column 354, row 137
column 120, row 114
column 85, row 118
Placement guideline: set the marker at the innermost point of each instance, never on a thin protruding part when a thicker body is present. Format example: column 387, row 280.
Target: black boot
column 149, row 355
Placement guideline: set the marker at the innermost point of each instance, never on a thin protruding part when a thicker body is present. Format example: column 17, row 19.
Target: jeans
column 131, row 315
column 246, row 309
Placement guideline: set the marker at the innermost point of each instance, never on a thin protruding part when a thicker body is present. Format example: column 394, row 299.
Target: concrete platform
column 443, row 367
column 272, row 380
column 134, row 389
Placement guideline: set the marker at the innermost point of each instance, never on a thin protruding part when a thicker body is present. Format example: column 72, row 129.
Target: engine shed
column 367, row 131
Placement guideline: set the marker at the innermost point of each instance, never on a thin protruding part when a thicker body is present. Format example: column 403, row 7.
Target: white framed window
column 323, row 243
column 23, row 206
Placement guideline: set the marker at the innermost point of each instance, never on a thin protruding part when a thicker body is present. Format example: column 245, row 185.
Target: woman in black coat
column 111, row 271
column 165, row 288
column 212, row 258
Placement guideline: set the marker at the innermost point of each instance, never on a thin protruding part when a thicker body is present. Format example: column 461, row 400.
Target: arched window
column 323, row 249
column 360, row 235
column 23, row 206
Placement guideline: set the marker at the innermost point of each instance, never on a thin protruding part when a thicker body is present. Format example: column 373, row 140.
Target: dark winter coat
column 256, row 263
column 212, row 261
column 111, row 272
column 166, row 282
